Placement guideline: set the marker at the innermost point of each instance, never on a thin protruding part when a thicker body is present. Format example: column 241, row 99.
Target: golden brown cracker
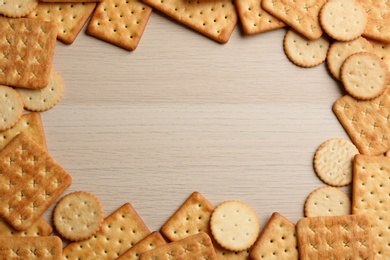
column 382, row 50
column 39, row 228
column 17, row 8
column 11, row 107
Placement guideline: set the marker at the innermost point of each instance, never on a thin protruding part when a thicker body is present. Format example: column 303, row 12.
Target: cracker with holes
column 335, row 237
column 45, row 248
column 120, row 231
column 340, row 51
column 382, row 50
column 45, row 98
column 333, row 161
column 69, row 18
column 254, row 18
column 370, row 196
column 39, row 228
column 27, row 47
column 223, row 253
column 30, row 182
column 234, row 225
column 215, row 19
column 17, row 8
column 301, row 15
column 78, row 216
column 366, row 122
column 192, row 217
column 120, row 22
column 277, row 240
column 198, row 246
column 303, row 52
column 150, row 242
column 327, row 201
column 11, row 107
column 70, row 1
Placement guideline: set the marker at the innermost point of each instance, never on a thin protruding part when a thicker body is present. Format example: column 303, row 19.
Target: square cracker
column 26, row 52
column 301, row 15
column 366, row 122
column 39, row 228
column 120, row 22
column 334, row 237
column 69, row 18
column 213, row 18
column 119, row 232
column 370, row 196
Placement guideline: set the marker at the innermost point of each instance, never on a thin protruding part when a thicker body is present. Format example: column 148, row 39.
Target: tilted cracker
column 370, row 196
column 213, row 18
column 69, row 18
column 43, row 248
column 150, row 242
column 254, row 18
column 17, row 8
column 30, row 181
column 382, row 50
column 120, row 231
column 198, row 246
column 366, row 122
column 301, row 15
column 277, row 240
column 120, row 22
column 192, row 217
column 11, row 107
column 39, row 228
column 327, row 201
column 225, row 254
column 335, row 237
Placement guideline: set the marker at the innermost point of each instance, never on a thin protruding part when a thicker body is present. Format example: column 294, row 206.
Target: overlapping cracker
column 39, row 228
column 69, row 18
column 119, row 232
column 382, row 50
column 370, row 196
column 301, row 15
column 70, row 1
column 277, row 240
column 11, row 107
column 30, row 181
column 366, row 122
column 335, row 237
column 213, row 18
column 17, row 8
column 225, row 254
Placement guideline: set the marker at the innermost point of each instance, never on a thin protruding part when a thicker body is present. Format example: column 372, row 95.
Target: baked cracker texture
column 39, row 228
column 17, row 8
column 11, row 107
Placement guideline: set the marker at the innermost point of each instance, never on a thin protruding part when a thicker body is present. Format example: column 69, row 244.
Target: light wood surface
column 183, row 113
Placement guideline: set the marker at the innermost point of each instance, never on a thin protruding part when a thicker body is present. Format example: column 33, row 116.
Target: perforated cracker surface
column 11, row 107
column 17, row 8
column 39, row 228
column 382, row 50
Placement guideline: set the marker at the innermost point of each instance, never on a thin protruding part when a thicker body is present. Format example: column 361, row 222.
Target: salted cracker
column 11, row 107
column 198, row 246
column 225, row 254
column 120, row 231
column 254, row 19
column 192, row 217
column 382, row 50
column 120, row 22
column 30, row 182
column 366, row 122
column 45, row 98
column 277, row 240
column 301, row 15
column 339, row 51
column 333, row 161
column 17, row 8
column 45, row 248
column 370, row 196
column 234, row 225
column 69, row 18
column 39, row 228
column 70, row 1
column 215, row 19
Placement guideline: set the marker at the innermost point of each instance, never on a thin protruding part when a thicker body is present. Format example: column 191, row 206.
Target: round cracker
column 43, row 99
column 11, row 107
column 364, row 75
column 78, row 216
column 234, row 225
column 343, row 20
column 17, row 8
column 303, row 52
column 327, row 201
column 333, row 161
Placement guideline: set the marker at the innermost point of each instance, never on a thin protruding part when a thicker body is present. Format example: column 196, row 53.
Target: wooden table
column 183, row 113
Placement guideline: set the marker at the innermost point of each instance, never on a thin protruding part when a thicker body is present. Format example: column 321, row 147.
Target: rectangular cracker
column 335, row 237
column 213, row 18
column 366, row 122
column 301, row 15
column 198, row 246
column 69, row 18
column 31, row 125
column 39, row 228
column 43, row 248
column 26, row 52
column 30, row 181
column 119, row 232
column 120, row 22
column 371, row 196
column 70, row 1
